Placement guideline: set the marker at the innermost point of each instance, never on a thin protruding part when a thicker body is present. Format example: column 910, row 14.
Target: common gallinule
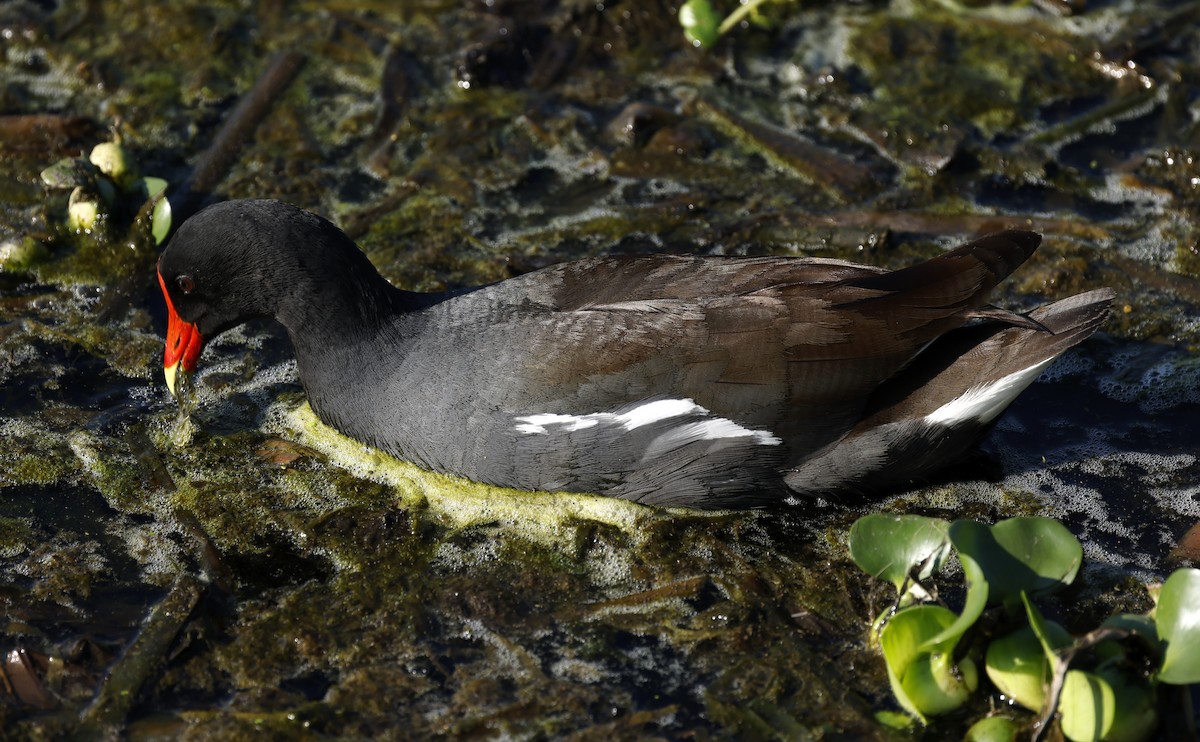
column 699, row 381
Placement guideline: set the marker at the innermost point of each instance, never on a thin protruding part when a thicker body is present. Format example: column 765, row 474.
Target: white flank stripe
column 647, row 414
column 662, row 409
column 984, row 403
column 536, row 424
column 719, row 427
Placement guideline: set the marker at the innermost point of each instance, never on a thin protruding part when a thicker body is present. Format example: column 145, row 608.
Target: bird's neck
column 343, row 301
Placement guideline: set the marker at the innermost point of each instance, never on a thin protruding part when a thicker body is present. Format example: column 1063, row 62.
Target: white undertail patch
column 984, row 403
column 648, row 413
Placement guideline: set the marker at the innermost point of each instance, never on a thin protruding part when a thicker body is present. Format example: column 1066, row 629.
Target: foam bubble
column 1155, row 385
column 578, row 671
column 159, row 556
column 1071, row 364
column 458, row 558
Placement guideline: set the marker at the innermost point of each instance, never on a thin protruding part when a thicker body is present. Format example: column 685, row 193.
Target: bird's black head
column 242, row 259
column 256, row 258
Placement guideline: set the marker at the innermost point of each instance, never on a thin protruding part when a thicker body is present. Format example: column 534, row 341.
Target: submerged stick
column 141, row 660
column 840, row 177
column 43, row 131
column 250, row 111
column 395, row 90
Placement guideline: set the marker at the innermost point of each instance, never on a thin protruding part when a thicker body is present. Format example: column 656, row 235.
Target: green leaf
column 700, row 22
column 1106, row 705
column 1178, row 621
column 888, row 547
column 1017, row 664
column 894, row 720
column 116, row 163
column 1141, row 631
column 155, row 189
column 150, row 186
column 908, row 630
column 1087, row 705
column 160, row 217
column 68, row 173
column 993, row 729
column 160, row 220
column 1135, row 623
column 977, row 597
column 1029, row 554
column 935, row 685
column 1041, row 629
column 83, row 210
column 1135, row 714
column 924, row 682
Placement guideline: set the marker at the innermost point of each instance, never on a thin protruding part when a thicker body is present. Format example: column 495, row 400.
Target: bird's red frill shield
column 183, row 342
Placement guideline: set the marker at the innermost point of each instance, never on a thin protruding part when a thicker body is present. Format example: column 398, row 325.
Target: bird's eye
column 185, row 284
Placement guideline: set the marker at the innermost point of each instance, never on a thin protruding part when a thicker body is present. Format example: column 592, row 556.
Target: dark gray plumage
column 695, row 381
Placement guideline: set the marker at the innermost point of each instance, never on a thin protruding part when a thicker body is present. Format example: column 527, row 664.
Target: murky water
column 318, row 589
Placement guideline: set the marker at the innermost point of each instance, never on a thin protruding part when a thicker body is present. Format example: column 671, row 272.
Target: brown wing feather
column 791, row 344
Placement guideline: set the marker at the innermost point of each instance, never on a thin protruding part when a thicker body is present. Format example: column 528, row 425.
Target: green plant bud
column 114, row 161
column 82, row 211
column 700, row 22
column 20, row 253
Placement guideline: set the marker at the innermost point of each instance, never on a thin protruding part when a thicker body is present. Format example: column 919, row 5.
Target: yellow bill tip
column 171, row 373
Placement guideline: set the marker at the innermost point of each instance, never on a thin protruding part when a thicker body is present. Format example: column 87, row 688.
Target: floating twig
column 1065, row 656
column 838, row 176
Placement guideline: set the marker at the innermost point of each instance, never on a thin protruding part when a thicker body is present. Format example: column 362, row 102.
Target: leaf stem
column 737, row 16
column 1062, row 663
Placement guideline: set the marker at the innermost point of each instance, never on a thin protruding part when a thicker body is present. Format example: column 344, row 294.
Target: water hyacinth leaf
column 935, row 685
column 907, row 632
column 149, row 187
column 1029, row 554
column 160, row 217
column 888, row 547
column 1106, row 705
column 69, row 173
column 993, row 729
column 1141, row 631
column 1041, row 629
column 977, row 598
column 1178, row 623
column 700, row 22
column 1087, row 706
column 894, row 720
column 160, row 220
column 902, row 640
column 1136, row 714
column 1017, row 664
column 1136, row 624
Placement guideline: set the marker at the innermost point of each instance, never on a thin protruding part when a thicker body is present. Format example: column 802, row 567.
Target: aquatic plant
column 703, row 24
column 108, row 186
column 1103, row 685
